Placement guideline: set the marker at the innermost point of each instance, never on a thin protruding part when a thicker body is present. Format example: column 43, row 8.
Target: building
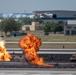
column 33, row 27
column 56, row 15
column 70, row 27
column 68, row 17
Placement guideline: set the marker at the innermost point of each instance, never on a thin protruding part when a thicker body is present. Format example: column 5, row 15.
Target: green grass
column 44, row 38
column 58, row 38
column 12, row 39
column 49, row 38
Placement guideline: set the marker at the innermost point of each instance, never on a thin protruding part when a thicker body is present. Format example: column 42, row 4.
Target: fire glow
column 4, row 55
column 31, row 44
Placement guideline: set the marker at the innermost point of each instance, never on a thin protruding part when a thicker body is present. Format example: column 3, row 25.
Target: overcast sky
column 18, row 6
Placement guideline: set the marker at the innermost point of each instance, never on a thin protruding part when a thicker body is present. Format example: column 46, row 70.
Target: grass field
column 46, row 46
column 49, row 38
column 45, row 38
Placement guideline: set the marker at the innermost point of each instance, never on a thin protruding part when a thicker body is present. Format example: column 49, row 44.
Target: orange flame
column 31, row 44
column 4, row 55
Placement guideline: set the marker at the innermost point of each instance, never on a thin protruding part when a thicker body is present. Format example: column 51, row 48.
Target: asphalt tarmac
column 32, row 71
column 63, row 66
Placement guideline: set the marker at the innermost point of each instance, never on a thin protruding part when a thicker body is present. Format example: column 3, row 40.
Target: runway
column 51, row 42
column 20, row 71
column 42, row 51
column 41, row 71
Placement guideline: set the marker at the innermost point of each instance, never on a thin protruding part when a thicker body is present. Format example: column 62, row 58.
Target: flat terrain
column 45, row 38
column 47, row 46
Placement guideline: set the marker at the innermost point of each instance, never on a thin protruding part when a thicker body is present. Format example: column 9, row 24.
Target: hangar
column 58, row 13
column 67, row 16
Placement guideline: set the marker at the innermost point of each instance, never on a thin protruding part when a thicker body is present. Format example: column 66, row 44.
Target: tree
column 9, row 25
column 58, row 27
column 52, row 26
column 26, row 21
column 37, row 20
column 47, row 26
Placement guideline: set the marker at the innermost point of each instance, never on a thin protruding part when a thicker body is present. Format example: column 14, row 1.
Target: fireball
column 30, row 45
column 4, row 55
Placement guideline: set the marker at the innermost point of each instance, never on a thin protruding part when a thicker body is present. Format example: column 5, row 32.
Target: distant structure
column 56, row 15
column 68, row 17
column 70, row 27
column 16, row 15
column 33, row 27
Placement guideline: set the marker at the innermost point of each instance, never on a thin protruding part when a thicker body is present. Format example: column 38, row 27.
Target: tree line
column 10, row 24
column 54, row 27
